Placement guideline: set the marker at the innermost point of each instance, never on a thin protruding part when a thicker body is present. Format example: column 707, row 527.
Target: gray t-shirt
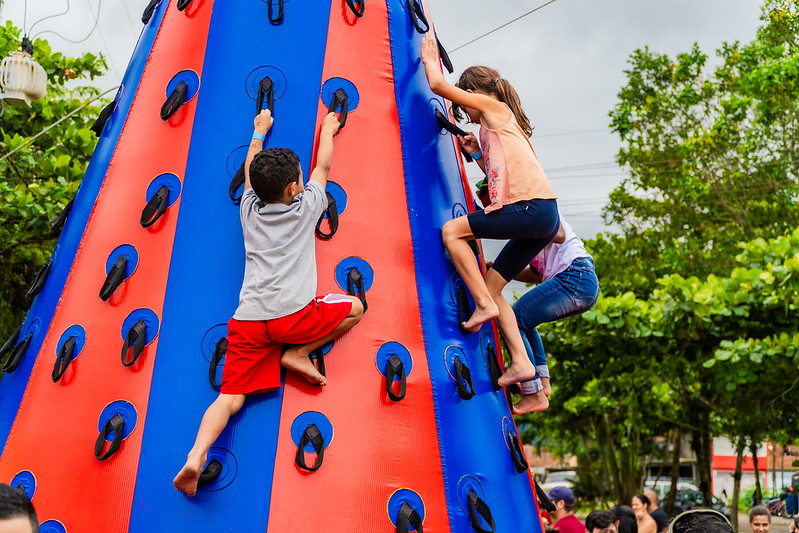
column 280, row 272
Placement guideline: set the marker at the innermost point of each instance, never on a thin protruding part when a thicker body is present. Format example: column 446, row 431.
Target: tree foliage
column 37, row 181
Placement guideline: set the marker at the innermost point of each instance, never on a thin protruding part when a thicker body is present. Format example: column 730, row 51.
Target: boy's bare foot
column 189, row 475
column 516, row 373
column 297, row 361
column 547, row 387
column 531, row 403
column 480, row 315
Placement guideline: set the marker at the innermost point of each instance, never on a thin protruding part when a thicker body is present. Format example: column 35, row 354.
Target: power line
column 96, row 20
column 30, row 30
column 502, row 26
column 54, row 124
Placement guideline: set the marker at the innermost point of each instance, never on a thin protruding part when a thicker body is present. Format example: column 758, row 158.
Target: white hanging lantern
column 22, row 79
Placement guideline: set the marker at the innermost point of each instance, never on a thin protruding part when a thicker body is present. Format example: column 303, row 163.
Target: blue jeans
column 571, row 292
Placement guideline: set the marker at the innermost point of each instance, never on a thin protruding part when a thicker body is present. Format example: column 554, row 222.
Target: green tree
column 38, row 180
column 713, row 155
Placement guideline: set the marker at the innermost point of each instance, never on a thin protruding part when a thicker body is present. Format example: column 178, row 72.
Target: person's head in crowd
column 625, row 519
column 17, row 514
column 653, row 498
column 793, row 527
column 760, row 519
column 700, row 521
column 640, row 505
column 601, row 521
column 563, row 498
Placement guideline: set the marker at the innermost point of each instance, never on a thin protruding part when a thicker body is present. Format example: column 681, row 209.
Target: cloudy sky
column 566, row 60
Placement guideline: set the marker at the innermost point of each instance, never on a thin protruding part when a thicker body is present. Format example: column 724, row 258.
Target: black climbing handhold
column 339, row 100
column 463, row 380
column 359, row 10
column 134, row 342
column 395, row 368
column 103, row 117
column 219, row 353
column 155, row 208
column 355, row 286
column 63, row 358
column 406, row 517
column 279, row 18
column 114, row 278
column 479, row 509
column 62, row 218
column 332, row 213
column 311, row 435
column 116, row 424
column 41, row 278
column 444, row 56
column 149, row 10
column 176, row 99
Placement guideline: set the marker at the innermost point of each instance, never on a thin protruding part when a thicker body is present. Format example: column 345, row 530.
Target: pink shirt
column 512, row 168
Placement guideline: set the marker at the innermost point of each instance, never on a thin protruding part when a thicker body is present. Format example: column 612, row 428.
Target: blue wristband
column 259, row 136
column 478, row 155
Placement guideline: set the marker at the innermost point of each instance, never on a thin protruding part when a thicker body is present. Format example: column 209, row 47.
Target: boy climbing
column 277, row 302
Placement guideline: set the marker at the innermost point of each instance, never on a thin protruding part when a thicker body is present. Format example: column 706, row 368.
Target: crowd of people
column 644, row 515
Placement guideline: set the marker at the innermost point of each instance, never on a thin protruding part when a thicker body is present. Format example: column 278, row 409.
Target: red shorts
column 252, row 362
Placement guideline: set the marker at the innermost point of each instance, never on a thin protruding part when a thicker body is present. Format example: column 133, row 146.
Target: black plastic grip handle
column 134, row 342
column 340, row 99
column 406, row 517
column 210, row 473
column 62, row 218
column 155, row 208
column 477, row 509
column 114, row 278
column 266, row 90
column 40, row 279
column 103, row 117
column 174, row 101
column 63, row 358
column 149, row 10
column 116, row 423
column 314, row 436
column 463, row 380
column 395, row 368
column 279, row 18
column 516, row 452
column 417, row 17
column 444, row 56
column 17, row 353
column 332, row 213
column 359, row 10
column 219, row 353
column 355, row 281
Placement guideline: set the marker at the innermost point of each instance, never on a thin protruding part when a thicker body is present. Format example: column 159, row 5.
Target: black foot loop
column 417, row 17
column 210, row 473
column 444, row 56
column 134, row 342
column 174, row 101
column 464, row 308
column 332, row 214
column 406, row 517
column 40, row 279
column 279, row 18
column 358, row 7
column 62, row 218
column 219, row 353
column 339, row 99
column 63, row 358
column 314, row 436
column 116, row 423
column 543, row 498
column 355, row 281
column 444, row 123
column 266, row 91
column 493, row 368
column 516, row 452
column 155, row 208
column 103, row 117
column 149, row 10
column 320, row 360
column 395, row 368
column 18, row 351
column 463, row 380
column 479, row 509
column 114, row 278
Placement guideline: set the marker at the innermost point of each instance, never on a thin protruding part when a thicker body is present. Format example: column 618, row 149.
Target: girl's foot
column 480, row 315
column 189, row 475
column 532, row 403
column 295, row 360
column 516, row 373
column 547, row 387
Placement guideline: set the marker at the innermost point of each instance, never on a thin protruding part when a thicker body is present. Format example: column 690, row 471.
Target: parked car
column 685, row 500
column 662, row 487
column 559, row 478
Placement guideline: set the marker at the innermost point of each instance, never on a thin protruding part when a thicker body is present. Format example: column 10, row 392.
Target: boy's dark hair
column 15, row 503
column 701, row 521
column 599, row 519
column 759, row 510
column 271, row 171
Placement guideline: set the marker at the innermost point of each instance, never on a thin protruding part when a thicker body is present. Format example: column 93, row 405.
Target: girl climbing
column 523, row 207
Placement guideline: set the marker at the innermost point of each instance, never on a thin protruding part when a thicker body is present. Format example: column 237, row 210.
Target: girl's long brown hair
column 487, row 80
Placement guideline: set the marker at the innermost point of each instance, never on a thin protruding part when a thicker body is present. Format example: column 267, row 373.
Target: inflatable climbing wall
column 119, row 356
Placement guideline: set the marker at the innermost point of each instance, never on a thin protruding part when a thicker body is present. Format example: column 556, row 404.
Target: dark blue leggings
column 530, row 225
